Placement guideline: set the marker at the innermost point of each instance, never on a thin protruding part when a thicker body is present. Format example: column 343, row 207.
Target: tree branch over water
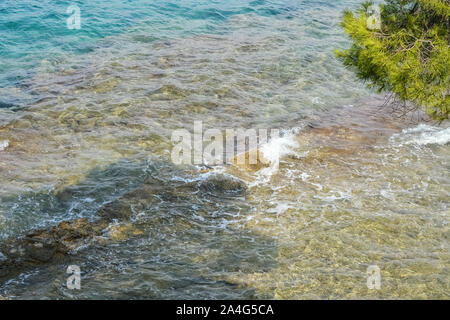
column 407, row 55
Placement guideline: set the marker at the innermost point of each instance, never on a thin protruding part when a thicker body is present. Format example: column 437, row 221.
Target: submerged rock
column 55, row 245
column 123, row 232
column 224, row 184
column 45, row 246
column 5, row 105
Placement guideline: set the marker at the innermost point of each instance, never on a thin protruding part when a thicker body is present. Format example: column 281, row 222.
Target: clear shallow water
column 94, row 111
column 34, row 32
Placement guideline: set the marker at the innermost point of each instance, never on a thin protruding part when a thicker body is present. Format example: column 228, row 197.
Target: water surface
column 88, row 114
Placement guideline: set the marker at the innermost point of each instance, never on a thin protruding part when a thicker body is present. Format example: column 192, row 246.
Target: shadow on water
column 46, row 207
column 174, row 233
column 4, row 105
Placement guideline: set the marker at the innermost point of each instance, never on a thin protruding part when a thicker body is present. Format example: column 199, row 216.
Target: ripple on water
column 351, row 189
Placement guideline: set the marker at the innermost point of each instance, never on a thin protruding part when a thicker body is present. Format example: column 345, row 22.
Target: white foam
column 304, row 176
column 280, row 208
column 4, row 144
column 278, row 147
column 423, row 135
column 274, row 150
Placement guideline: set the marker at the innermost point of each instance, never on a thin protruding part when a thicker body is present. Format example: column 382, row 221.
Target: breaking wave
column 423, row 135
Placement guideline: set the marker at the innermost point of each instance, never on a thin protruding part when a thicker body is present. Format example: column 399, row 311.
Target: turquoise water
column 86, row 118
column 34, row 34
column 259, row 62
column 32, row 31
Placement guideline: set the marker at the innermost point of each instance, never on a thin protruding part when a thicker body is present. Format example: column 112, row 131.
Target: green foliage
column 409, row 56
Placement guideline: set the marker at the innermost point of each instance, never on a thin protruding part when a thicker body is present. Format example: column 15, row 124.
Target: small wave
column 280, row 146
column 423, row 135
column 274, row 150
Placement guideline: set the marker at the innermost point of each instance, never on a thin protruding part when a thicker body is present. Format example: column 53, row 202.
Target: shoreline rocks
column 55, row 245
column 46, row 246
